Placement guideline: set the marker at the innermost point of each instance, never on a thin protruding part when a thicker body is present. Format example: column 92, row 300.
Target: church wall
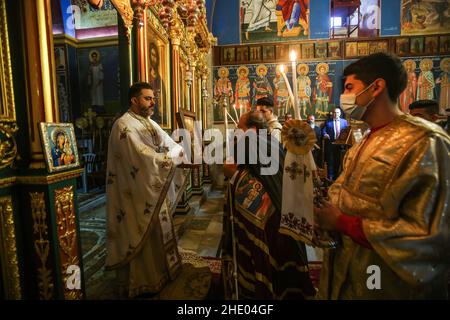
column 109, row 58
column 336, row 68
column 385, row 18
column 225, row 21
column 396, row 31
column 74, row 82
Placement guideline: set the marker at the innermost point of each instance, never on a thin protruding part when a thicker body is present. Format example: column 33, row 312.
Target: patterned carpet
column 93, row 235
column 193, row 283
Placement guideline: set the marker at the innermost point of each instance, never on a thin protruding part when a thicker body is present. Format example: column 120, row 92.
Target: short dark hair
column 136, row 88
column 255, row 119
column 431, row 106
column 266, row 102
column 380, row 65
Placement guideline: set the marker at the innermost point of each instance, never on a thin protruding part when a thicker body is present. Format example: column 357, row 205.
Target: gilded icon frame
column 186, row 119
column 158, row 41
column 59, row 158
column 7, row 106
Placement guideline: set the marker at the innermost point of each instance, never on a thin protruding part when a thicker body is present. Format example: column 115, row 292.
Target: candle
column 235, row 112
column 293, row 57
column 291, row 95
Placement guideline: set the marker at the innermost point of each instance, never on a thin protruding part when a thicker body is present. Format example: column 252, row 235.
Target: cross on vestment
column 294, row 170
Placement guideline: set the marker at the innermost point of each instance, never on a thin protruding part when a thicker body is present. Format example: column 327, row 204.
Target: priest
column 143, row 185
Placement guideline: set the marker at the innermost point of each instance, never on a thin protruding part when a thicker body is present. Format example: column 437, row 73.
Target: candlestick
column 293, row 56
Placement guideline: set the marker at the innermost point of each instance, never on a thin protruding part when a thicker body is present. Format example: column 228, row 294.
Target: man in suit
column 316, row 151
column 330, row 133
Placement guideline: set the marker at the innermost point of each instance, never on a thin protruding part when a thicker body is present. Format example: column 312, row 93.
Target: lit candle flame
column 293, row 55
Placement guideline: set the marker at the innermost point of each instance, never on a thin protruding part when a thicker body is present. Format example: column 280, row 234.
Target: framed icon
column 402, row 46
column 268, row 53
column 255, row 54
column 431, row 45
column 416, row 45
column 307, row 51
column 282, row 52
column 60, row 146
column 242, row 54
column 228, row 55
column 334, row 49
column 363, row 49
column 320, row 50
column 351, row 49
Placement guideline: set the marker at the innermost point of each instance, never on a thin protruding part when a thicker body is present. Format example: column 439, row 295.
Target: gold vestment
column 397, row 180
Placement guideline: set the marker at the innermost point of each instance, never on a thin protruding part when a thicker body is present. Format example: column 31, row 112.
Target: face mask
column 348, row 104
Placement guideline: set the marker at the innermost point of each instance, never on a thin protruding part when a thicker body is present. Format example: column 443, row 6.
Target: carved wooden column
column 44, row 203
column 140, row 15
column 206, row 178
column 40, row 72
column 175, row 40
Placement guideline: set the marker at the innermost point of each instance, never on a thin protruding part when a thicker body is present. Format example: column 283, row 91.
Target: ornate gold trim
column 44, row 180
column 7, row 182
column 126, row 12
column 41, row 244
column 8, row 147
column 47, row 61
column 85, row 43
column 40, row 180
column 156, row 25
column 67, row 235
column 8, row 244
column 7, row 107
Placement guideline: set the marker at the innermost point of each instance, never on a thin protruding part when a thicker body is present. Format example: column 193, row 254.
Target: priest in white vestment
column 143, row 185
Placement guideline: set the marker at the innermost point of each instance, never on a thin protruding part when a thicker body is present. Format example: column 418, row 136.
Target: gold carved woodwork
column 67, row 235
column 7, row 107
column 10, row 272
column 177, row 32
column 45, row 180
column 126, row 12
column 139, row 7
column 7, row 182
column 41, row 244
column 8, row 145
column 8, row 127
column 40, row 180
column 154, row 23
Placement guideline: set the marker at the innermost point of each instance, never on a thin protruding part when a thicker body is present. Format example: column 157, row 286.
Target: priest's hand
column 326, row 216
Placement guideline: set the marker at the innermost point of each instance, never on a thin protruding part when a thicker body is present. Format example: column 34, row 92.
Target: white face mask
column 348, row 104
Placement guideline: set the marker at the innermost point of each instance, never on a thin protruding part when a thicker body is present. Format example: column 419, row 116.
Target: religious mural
column 98, row 77
column 319, row 84
column 158, row 74
column 91, row 18
column 316, row 82
column 273, row 20
column 62, row 85
column 425, row 17
column 427, row 80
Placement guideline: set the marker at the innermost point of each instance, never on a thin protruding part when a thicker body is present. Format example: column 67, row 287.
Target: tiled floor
column 203, row 232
